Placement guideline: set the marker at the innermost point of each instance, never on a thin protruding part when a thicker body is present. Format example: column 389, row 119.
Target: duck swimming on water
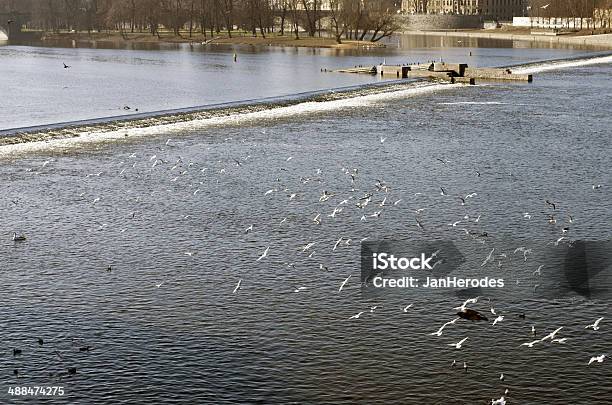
column 19, row 238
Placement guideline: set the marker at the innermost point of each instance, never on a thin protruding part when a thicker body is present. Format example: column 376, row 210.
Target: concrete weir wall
column 424, row 22
column 452, row 72
column 3, row 36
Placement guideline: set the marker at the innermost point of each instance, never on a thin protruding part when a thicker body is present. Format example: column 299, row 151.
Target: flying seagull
column 468, row 301
column 458, row 344
column 598, row 359
column 539, row 270
column 439, row 331
column 500, row 401
column 265, row 253
column 594, row 326
column 337, row 243
column 344, row 283
column 530, row 344
column 488, row 258
column 237, row 286
column 551, row 336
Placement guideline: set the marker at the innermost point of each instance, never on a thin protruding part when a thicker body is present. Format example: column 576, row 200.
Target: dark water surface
column 142, row 204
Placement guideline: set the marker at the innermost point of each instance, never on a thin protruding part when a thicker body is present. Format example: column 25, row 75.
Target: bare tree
column 338, row 19
column 294, row 9
column 283, row 6
column 381, row 20
column 312, row 11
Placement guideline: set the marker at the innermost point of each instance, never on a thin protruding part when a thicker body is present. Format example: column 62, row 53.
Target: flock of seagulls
column 363, row 202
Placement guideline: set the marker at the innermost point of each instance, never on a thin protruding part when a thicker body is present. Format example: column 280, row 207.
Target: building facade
column 493, row 9
column 503, row 9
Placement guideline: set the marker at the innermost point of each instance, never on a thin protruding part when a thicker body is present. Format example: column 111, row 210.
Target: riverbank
column 199, row 39
column 601, row 41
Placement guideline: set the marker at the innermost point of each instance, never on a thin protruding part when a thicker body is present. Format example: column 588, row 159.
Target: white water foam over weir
column 555, row 65
column 304, row 108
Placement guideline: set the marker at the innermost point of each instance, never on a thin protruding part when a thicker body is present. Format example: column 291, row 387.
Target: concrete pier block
column 466, row 80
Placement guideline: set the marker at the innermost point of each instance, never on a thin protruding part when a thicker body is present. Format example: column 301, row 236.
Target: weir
column 216, row 111
column 451, row 72
column 95, row 129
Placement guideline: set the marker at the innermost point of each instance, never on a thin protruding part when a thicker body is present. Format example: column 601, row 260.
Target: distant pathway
column 603, row 40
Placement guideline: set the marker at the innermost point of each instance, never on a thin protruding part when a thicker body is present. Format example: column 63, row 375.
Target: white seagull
column 500, row 401
column 551, row 336
column 439, row 331
column 530, row 344
column 488, row 258
column 458, row 344
column 598, row 359
column 539, row 270
column 265, row 253
column 594, row 326
column 468, row 301
column 344, row 283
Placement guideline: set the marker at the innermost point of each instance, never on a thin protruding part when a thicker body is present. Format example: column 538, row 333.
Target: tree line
column 346, row 19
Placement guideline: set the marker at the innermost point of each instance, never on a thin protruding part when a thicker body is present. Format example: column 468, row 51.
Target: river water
column 101, row 82
column 168, row 205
